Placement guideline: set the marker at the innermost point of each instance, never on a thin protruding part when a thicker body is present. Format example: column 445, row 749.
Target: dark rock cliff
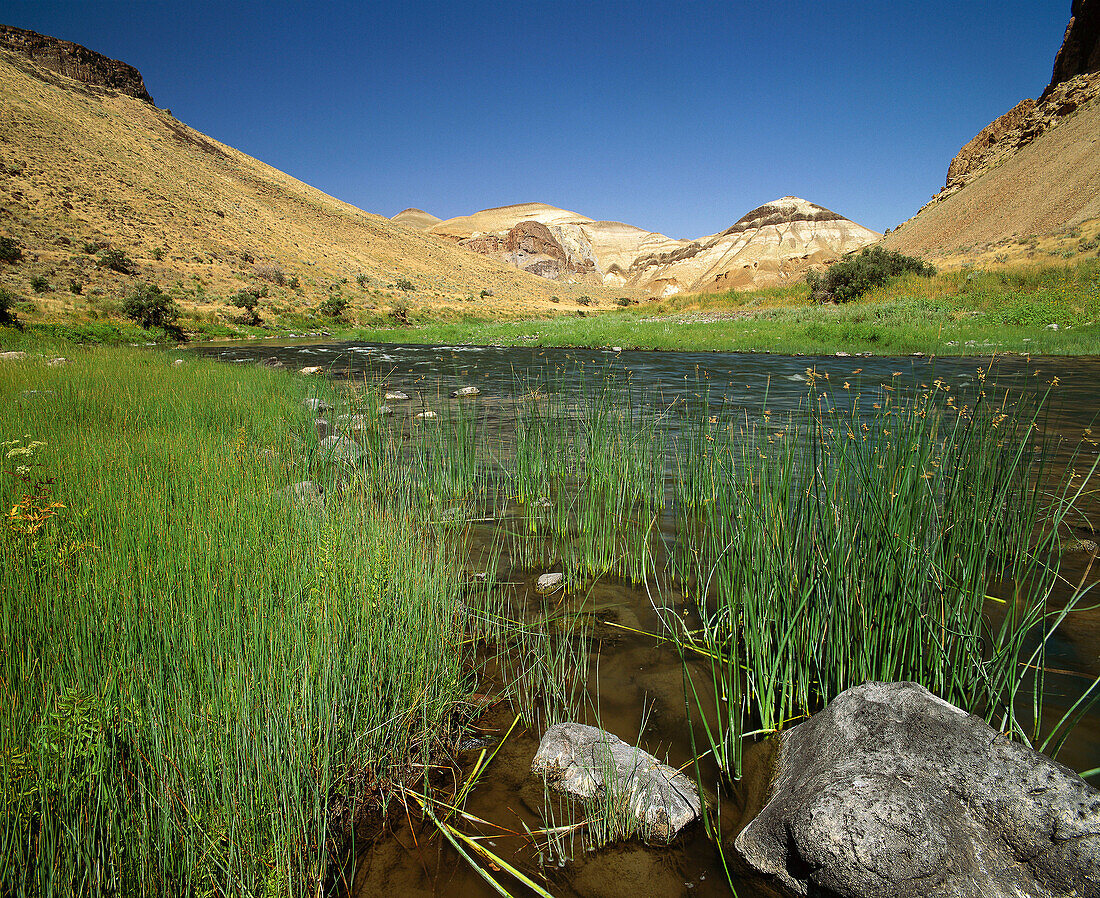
column 74, row 61
column 1080, row 50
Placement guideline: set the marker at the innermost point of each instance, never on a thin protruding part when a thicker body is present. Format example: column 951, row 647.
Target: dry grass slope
column 80, row 166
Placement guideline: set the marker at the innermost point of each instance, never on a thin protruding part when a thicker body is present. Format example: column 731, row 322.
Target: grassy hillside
column 83, row 170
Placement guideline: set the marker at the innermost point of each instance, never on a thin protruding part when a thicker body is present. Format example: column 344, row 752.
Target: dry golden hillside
column 82, row 167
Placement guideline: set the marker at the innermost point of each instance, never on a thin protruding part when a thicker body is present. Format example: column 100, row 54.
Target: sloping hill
column 415, row 218
column 84, row 165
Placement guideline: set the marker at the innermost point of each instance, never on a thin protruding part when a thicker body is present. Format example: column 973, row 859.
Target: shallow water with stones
column 630, row 671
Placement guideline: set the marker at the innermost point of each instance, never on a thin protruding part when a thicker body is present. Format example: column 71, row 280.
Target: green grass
column 965, row 312
column 201, row 683
column 204, row 682
column 953, row 313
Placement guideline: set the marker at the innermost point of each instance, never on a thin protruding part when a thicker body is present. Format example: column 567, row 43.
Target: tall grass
column 846, row 547
column 201, row 683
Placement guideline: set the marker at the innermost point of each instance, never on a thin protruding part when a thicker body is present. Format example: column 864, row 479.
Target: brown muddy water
column 634, row 678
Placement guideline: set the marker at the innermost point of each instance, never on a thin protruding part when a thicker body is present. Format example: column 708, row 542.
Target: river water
column 631, row 672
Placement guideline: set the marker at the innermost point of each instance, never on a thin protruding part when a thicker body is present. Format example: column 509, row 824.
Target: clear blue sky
column 678, row 117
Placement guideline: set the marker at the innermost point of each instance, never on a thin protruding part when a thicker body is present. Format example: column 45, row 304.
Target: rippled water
column 632, row 671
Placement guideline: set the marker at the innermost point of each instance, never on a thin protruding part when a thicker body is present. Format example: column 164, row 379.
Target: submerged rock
column 311, row 369
column 584, row 762
column 316, row 405
column 462, row 392
column 427, row 414
column 395, row 396
column 892, row 792
column 547, row 583
column 322, row 428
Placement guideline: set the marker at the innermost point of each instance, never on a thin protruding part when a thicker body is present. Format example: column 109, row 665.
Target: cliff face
column 1080, row 51
column 74, row 61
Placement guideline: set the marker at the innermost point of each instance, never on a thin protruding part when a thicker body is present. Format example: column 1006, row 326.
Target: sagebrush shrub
column 855, row 275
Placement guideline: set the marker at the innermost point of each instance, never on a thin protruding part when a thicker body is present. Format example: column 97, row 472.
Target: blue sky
column 676, row 117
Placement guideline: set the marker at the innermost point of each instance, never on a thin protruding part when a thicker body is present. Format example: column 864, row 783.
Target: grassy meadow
column 212, row 675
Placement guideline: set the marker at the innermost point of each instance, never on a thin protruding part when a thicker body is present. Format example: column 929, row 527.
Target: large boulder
column 892, row 792
column 584, row 762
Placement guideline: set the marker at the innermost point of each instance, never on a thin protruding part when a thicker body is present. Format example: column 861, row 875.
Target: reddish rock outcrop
column 535, row 238
column 74, row 61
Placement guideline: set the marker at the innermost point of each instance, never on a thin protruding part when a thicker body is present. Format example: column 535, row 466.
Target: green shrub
column 158, row 253
column 334, row 306
column 39, row 284
column 294, row 283
column 248, row 300
column 362, row 280
column 7, row 303
column 853, row 276
column 404, row 284
column 115, row 260
column 91, row 247
column 150, row 306
column 10, row 250
column 624, row 301
column 486, row 293
column 584, row 300
column 76, row 287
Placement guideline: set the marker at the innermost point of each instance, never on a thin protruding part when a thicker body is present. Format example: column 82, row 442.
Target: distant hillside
column 1033, row 172
column 86, row 162
column 774, row 244
column 415, row 218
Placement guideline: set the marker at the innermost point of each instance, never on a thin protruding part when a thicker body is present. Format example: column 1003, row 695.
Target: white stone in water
column 428, row 414
column 311, row 369
column 465, row 391
column 177, row 363
column 616, row 349
column 395, row 396
column 57, row 363
column 385, row 410
column 547, row 583
column 584, row 761
column 316, row 405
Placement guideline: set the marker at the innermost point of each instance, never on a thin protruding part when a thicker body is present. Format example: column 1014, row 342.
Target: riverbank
column 1037, row 309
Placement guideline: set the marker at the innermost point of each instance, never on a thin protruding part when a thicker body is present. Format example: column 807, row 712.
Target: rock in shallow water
column 584, row 761
column 892, row 792
column 547, row 583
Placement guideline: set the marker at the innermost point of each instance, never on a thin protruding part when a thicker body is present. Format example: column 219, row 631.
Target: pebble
column 465, row 391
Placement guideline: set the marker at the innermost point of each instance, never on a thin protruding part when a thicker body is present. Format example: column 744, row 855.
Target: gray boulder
column 340, row 449
column 892, row 792
column 584, row 761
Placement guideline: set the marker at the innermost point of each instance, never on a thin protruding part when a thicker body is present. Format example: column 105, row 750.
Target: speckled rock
column 892, row 792
column 584, row 761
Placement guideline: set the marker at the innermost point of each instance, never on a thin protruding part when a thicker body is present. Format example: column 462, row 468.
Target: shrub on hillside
column 150, row 306
column 248, row 300
column 271, row 273
column 853, row 276
column 10, row 250
column 334, row 306
column 115, row 260
column 7, row 308
column 39, row 284
column 404, row 284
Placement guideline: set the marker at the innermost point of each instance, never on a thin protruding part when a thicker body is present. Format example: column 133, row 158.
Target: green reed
column 202, row 683
column 859, row 543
